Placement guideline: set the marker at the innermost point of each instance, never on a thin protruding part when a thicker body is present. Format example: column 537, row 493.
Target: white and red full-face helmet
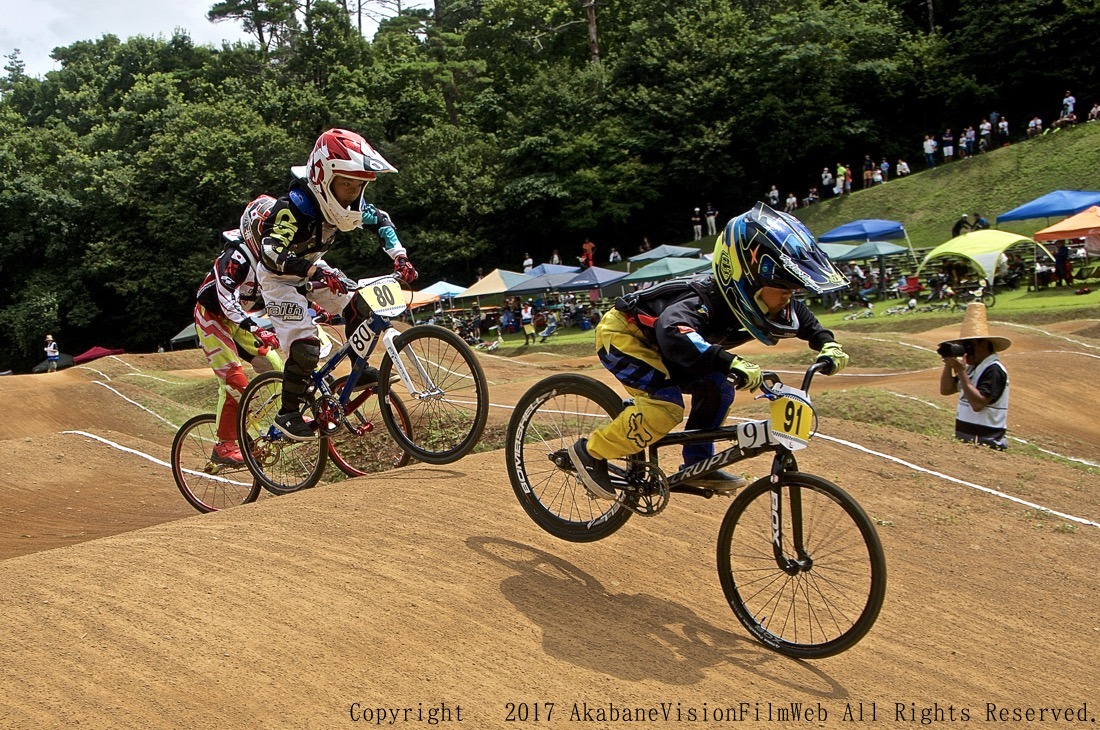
column 341, row 152
column 252, row 221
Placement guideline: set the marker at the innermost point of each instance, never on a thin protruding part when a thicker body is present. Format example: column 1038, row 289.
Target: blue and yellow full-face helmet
column 764, row 247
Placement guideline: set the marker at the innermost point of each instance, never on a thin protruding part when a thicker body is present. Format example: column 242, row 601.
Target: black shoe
column 719, row 481
column 294, row 427
column 368, row 378
column 591, row 471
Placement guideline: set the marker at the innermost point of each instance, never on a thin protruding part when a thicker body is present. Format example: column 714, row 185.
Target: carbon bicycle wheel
column 206, row 485
column 818, row 591
column 549, row 418
column 450, row 404
column 281, row 465
column 370, row 449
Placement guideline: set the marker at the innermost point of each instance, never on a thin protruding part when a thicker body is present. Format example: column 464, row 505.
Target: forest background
column 517, row 126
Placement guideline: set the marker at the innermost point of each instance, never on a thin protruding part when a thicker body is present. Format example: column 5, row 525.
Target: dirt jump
column 426, row 596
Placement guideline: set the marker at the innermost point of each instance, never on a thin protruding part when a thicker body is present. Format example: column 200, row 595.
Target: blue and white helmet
column 764, row 247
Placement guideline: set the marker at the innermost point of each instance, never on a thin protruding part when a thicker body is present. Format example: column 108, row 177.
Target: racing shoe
column 294, row 427
column 227, row 453
column 591, row 471
column 718, row 481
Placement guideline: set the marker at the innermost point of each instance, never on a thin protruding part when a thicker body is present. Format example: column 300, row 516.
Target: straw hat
column 975, row 326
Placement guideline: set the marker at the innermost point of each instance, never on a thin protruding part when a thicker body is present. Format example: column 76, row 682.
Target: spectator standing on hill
column 994, row 117
column 645, row 245
column 985, row 134
column 826, row 180
column 841, row 171
column 588, row 253
column 980, row 379
column 53, row 355
column 868, row 171
column 1002, row 131
column 555, row 257
column 948, row 139
column 712, row 220
column 773, row 197
column 903, row 168
column 884, row 168
column 962, row 223
column 1068, row 104
column 971, row 140
column 929, row 147
column 697, row 224
column 528, row 263
column 847, row 178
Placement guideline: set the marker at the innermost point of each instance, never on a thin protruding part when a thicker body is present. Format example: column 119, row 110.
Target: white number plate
column 753, row 434
column 360, row 339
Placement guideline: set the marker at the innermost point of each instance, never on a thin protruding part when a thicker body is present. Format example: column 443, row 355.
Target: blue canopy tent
column 553, row 269
column 868, row 229
column 541, row 283
column 443, row 289
column 1052, row 205
column 592, row 278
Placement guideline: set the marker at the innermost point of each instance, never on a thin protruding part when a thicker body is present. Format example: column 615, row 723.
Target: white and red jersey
column 230, row 288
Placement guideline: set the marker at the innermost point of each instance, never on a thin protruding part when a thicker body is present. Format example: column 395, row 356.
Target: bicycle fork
column 803, row 562
column 430, row 389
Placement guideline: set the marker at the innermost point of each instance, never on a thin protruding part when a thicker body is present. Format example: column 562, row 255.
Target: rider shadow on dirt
column 632, row 636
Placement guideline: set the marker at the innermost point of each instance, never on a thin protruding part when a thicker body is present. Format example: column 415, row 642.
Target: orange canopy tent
column 1085, row 223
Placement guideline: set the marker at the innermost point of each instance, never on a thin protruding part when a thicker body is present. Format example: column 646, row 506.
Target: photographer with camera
column 980, row 378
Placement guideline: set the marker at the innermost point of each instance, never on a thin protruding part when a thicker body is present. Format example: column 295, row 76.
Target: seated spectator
column 876, row 177
column 1034, row 127
column 811, row 197
column 792, row 203
column 1067, row 121
column 903, row 168
column 1094, row 113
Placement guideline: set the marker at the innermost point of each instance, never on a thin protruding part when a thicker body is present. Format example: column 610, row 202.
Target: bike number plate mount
column 792, row 419
column 384, row 296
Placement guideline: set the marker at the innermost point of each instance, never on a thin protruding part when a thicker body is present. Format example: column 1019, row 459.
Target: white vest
column 994, row 415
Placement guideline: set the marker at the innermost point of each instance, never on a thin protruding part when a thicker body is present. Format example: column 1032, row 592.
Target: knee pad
column 235, row 378
column 303, row 357
column 355, row 313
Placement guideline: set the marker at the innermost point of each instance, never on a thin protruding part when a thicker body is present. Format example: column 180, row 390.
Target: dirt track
column 429, row 586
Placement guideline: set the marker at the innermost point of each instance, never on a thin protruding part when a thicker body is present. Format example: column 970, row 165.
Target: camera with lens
column 950, row 349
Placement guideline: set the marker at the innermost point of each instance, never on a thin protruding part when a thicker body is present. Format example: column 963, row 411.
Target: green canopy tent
column 186, row 337
column 666, row 268
column 872, row 250
column 983, row 249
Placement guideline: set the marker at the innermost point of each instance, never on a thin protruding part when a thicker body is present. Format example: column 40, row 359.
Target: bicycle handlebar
column 351, row 284
column 771, row 379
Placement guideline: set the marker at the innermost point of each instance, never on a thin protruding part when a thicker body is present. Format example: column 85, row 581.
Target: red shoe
column 228, row 454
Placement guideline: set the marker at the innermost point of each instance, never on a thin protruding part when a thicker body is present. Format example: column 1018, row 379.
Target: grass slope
column 929, row 202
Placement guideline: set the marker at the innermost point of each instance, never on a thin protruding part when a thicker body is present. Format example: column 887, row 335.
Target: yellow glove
column 832, row 353
column 747, row 372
